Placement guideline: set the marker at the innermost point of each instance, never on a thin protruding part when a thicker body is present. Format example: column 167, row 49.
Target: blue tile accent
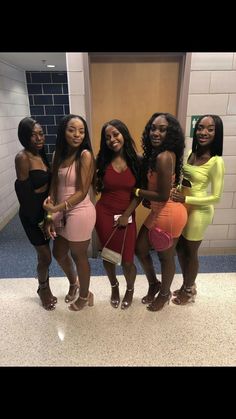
column 52, row 129
column 31, row 100
column 28, row 77
column 66, row 109
column 43, row 100
column 58, row 118
column 59, row 77
column 50, row 139
column 46, row 120
column 41, row 77
column 35, row 89
column 65, row 88
column 61, row 99
column 52, row 88
column 54, row 110
column 37, row 110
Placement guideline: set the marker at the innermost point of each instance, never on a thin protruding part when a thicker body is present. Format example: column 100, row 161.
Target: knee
column 45, row 260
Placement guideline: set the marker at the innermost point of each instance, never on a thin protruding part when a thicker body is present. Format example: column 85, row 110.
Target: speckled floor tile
column 199, row 334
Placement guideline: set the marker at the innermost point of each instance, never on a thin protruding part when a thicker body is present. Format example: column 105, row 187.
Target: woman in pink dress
column 71, row 214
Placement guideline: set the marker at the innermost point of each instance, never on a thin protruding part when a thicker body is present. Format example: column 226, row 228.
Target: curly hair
column 105, row 154
column 174, row 141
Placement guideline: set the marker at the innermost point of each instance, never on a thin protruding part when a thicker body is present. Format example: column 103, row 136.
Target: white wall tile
column 212, row 61
column 234, row 200
column 226, row 200
column 230, row 164
column 223, row 82
column 224, row 216
column 199, row 82
column 230, row 183
column 77, row 105
column 229, row 147
column 232, row 105
column 76, row 82
column 223, row 243
column 74, row 61
column 203, row 104
column 232, row 232
column 215, row 232
column 229, row 125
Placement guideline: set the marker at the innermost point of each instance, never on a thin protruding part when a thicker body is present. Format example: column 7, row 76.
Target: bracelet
column 48, row 217
column 136, row 193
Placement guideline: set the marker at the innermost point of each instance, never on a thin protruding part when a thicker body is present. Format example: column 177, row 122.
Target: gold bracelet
column 137, row 192
column 48, row 217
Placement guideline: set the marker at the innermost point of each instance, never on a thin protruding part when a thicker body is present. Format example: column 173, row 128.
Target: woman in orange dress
column 163, row 145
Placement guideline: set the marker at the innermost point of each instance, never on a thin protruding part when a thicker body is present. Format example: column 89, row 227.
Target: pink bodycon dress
column 81, row 218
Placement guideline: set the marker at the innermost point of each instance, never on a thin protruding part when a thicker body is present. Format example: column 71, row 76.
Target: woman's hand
column 50, row 229
column 146, row 203
column 176, row 196
column 48, row 205
column 122, row 221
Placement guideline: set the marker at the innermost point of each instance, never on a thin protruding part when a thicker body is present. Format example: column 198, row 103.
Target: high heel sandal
column 159, row 302
column 45, row 294
column 81, row 302
column 185, row 296
column 193, row 288
column 115, row 299
column 153, row 289
column 128, row 298
column 74, row 288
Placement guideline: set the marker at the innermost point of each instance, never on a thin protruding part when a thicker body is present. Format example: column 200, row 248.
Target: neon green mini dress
column 200, row 203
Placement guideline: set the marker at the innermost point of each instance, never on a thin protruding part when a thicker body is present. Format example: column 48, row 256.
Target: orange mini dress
column 168, row 215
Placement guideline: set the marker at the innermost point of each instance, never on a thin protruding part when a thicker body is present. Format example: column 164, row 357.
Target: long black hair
column 25, row 129
column 105, row 154
column 216, row 147
column 174, row 141
column 62, row 148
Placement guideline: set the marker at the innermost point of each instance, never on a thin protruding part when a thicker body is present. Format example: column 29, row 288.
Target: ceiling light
column 50, row 65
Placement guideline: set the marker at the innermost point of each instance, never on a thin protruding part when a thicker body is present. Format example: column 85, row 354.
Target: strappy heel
column 47, row 298
column 193, row 288
column 159, row 302
column 185, row 296
column 72, row 292
column 153, row 289
column 81, row 302
column 115, row 295
column 128, row 298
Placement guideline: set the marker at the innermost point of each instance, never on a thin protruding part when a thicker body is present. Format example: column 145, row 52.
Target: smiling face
column 75, row 132
column 114, row 138
column 158, row 131
column 37, row 138
column 205, row 131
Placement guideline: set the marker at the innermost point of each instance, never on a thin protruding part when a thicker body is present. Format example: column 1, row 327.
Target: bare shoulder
column 86, row 156
column 22, row 165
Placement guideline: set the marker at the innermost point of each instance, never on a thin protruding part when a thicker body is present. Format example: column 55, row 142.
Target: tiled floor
column 199, row 334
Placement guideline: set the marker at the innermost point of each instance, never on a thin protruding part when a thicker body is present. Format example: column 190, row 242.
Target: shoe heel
column 90, row 299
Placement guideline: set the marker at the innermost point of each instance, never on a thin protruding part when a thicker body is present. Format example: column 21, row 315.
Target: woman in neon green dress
column 204, row 166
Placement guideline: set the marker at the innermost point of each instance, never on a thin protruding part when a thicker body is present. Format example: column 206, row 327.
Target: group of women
column 55, row 203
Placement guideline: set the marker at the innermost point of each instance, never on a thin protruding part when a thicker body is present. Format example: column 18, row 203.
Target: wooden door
column 131, row 88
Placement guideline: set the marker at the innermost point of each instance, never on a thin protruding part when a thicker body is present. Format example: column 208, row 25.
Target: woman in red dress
column 118, row 172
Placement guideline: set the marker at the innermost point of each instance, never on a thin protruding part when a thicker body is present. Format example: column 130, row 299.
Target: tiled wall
column 14, row 105
column 212, row 89
column 49, row 102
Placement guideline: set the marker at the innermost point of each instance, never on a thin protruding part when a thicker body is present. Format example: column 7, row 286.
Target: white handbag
column 110, row 255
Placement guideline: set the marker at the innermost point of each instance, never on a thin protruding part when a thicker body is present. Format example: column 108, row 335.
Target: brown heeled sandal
column 128, row 298
column 74, row 288
column 153, row 289
column 193, row 287
column 115, row 295
column 159, row 302
column 47, row 298
column 81, row 302
column 185, row 296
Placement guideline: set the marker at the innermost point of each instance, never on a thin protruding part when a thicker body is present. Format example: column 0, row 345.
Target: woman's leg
column 44, row 260
column 144, row 257
column 110, row 269
column 167, row 261
column 61, row 254
column 130, row 272
column 187, row 252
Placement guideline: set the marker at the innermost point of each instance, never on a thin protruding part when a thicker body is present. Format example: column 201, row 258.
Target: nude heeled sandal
column 81, row 302
column 70, row 297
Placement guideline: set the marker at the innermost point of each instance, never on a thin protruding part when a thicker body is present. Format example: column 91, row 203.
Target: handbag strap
column 112, row 234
